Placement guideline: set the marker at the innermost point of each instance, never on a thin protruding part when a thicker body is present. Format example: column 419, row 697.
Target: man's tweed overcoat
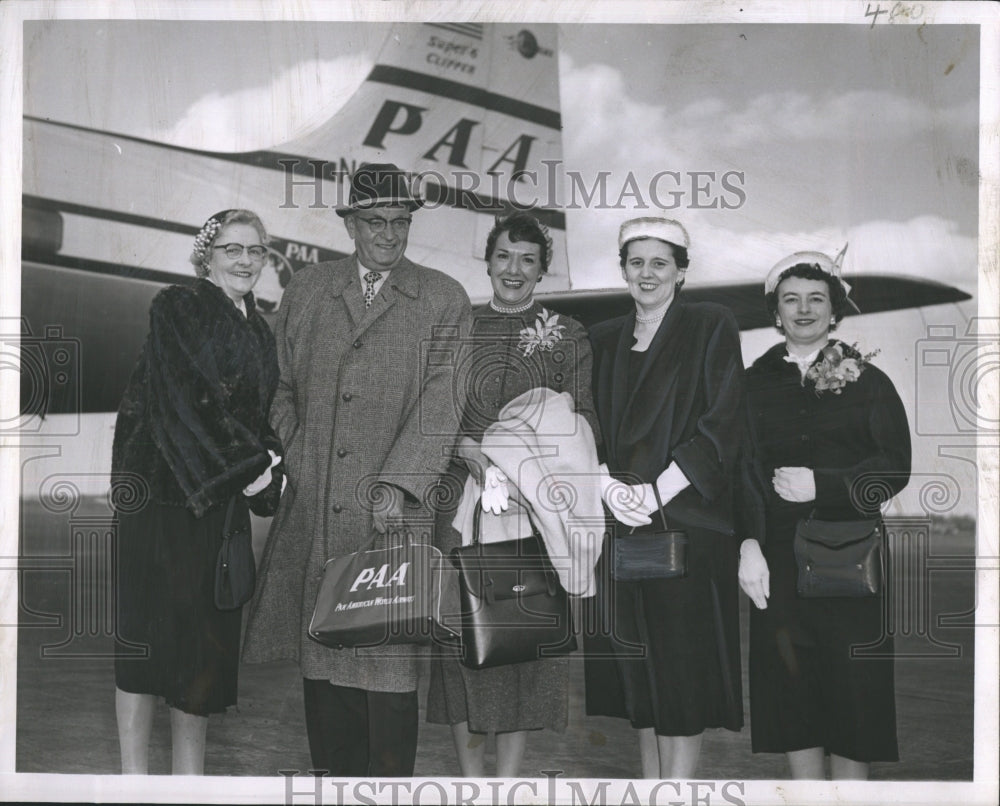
column 363, row 396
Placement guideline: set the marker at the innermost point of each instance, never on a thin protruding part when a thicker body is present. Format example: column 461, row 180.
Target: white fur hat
column 665, row 229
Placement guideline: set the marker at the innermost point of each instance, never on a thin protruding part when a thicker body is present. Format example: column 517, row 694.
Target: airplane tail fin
column 473, row 111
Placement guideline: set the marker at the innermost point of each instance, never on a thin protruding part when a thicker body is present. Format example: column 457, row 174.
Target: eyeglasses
column 376, row 224
column 234, row 251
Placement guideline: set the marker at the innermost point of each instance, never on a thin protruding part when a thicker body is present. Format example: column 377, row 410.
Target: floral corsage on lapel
column 543, row 335
column 839, row 365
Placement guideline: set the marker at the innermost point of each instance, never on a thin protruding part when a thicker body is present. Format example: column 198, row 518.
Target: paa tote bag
column 382, row 595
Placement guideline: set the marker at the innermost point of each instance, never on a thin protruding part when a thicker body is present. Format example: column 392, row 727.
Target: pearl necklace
column 653, row 318
column 512, row 309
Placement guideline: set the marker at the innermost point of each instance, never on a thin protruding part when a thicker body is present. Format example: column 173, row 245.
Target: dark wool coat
column 364, row 396
column 193, row 420
column 686, row 406
column 806, row 686
column 682, row 402
column 857, row 444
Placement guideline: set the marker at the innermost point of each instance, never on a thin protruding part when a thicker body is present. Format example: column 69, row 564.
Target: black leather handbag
column 650, row 555
column 839, row 558
column 513, row 607
column 235, row 568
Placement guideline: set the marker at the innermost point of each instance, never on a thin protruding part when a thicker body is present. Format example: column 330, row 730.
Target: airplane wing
column 874, row 293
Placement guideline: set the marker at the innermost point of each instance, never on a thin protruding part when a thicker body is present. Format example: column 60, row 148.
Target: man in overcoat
column 368, row 424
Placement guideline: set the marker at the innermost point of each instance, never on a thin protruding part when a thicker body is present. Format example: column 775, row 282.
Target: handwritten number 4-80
column 913, row 12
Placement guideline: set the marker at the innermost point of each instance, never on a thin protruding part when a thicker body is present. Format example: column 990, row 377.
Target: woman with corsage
column 828, row 442
column 668, row 389
column 518, row 350
column 192, row 442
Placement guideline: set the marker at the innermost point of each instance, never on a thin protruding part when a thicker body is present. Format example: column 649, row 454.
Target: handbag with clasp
column 513, row 607
column 650, row 555
column 838, row 558
column 235, row 567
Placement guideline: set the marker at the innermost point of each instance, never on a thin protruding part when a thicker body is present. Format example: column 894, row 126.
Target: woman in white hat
column 668, row 390
column 828, row 438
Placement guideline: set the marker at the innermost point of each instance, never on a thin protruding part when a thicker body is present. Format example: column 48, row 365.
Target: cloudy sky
column 841, row 132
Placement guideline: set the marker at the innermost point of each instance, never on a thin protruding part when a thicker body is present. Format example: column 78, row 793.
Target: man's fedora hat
column 379, row 184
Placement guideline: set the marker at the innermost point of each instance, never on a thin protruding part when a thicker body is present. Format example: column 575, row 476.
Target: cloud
column 892, row 202
column 597, row 104
column 296, row 102
column 876, row 117
column 926, row 246
column 617, row 125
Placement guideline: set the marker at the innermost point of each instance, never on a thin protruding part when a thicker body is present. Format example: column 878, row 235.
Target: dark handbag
column 235, row 569
column 513, row 607
column 650, row 555
column 385, row 595
column 838, row 558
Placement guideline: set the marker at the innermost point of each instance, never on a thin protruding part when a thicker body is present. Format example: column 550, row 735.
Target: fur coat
column 193, row 420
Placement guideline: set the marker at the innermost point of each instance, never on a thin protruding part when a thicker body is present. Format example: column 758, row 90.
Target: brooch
column 543, row 335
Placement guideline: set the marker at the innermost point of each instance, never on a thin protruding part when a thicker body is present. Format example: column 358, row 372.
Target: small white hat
column 823, row 262
column 665, row 229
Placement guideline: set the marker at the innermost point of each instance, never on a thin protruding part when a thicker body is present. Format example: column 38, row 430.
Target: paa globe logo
column 526, row 44
column 284, row 258
column 274, row 276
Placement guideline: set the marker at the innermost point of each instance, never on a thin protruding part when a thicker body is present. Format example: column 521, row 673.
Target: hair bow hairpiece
column 203, row 239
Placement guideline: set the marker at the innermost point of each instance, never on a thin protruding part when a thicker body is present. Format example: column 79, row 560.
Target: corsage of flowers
column 840, row 365
column 544, row 334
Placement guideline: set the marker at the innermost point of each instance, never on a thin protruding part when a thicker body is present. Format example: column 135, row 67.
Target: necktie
column 370, row 278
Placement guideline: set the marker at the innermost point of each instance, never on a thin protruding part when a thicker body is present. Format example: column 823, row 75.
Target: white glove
column 496, row 495
column 629, row 503
column 264, row 479
column 670, row 482
column 796, row 484
column 755, row 578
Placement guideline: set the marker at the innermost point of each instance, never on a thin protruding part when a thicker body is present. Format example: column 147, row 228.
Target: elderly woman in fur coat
column 192, row 444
